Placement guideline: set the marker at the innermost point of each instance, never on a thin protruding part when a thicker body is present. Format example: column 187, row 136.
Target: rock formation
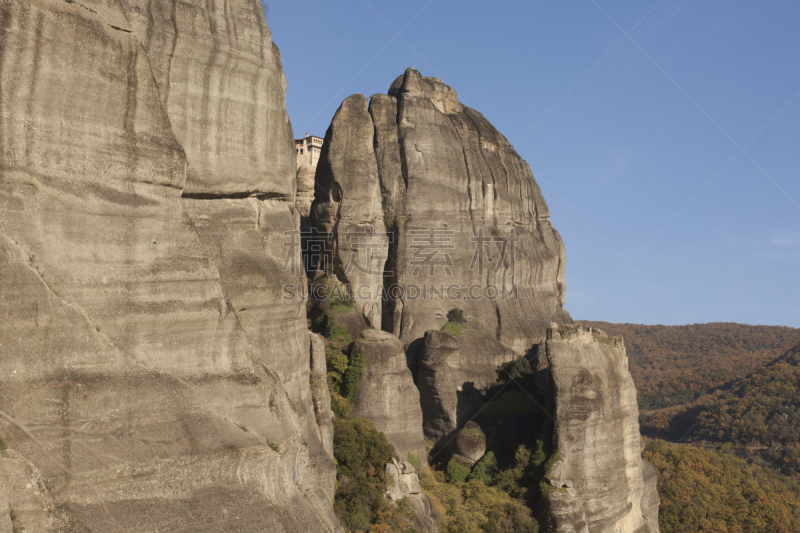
column 466, row 228
column 321, row 395
column 452, row 375
column 403, row 482
column 147, row 172
column 471, row 442
column 428, row 209
column 459, row 209
column 600, row 480
column 387, row 395
column 305, row 189
column 153, row 372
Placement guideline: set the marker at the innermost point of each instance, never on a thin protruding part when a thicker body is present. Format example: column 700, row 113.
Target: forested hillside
column 710, row 491
column 675, row 365
column 727, row 386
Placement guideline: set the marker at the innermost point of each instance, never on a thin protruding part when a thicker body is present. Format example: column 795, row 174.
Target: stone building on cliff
column 307, row 150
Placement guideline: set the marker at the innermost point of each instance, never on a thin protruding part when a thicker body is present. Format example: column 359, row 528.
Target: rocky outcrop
column 321, row 395
column 452, row 376
column 387, row 395
column 471, row 442
column 147, row 172
column 429, row 208
column 466, row 223
column 305, row 189
column 403, row 482
column 599, row 484
column 650, row 498
column 347, row 206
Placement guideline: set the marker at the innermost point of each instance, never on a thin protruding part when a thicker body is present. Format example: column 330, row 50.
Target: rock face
column 471, row 442
column 147, row 171
column 387, row 395
column 26, row 503
column 452, row 375
column 600, row 479
column 403, row 482
column 429, row 208
column 457, row 207
column 305, row 189
column 348, row 168
column 321, row 395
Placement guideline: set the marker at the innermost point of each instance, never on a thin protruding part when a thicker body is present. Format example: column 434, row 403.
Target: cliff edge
column 150, row 368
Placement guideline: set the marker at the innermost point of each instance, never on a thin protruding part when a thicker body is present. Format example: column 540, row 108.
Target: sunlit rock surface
column 147, row 171
column 599, row 484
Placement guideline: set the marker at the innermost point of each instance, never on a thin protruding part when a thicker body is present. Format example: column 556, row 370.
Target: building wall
column 307, row 150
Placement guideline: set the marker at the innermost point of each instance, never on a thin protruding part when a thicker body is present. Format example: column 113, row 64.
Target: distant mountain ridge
column 675, row 365
column 730, row 386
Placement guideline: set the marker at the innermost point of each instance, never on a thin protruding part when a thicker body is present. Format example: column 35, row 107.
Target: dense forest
column 757, row 417
column 675, row 365
column 710, row 491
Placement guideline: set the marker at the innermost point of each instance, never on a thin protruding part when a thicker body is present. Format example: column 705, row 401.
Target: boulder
column 471, row 442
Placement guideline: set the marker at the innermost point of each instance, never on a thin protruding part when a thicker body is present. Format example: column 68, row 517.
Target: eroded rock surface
column 387, row 395
column 599, row 485
column 403, row 482
column 453, row 374
column 348, row 206
column 25, row 501
column 430, row 209
column 446, row 184
column 305, row 189
column 147, row 171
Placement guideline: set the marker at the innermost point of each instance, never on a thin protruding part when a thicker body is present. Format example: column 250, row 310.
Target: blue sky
column 664, row 135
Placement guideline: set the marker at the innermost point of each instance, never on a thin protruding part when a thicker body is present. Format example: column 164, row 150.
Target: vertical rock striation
column 147, row 171
column 599, row 483
column 466, row 227
column 387, row 395
column 451, row 217
column 460, row 209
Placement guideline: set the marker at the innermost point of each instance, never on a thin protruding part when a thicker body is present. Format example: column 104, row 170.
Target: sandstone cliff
column 601, row 484
column 429, row 208
column 387, row 395
column 147, row 171
column 442, row 200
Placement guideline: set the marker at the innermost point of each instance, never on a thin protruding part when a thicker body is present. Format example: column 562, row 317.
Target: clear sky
column 664, row 135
